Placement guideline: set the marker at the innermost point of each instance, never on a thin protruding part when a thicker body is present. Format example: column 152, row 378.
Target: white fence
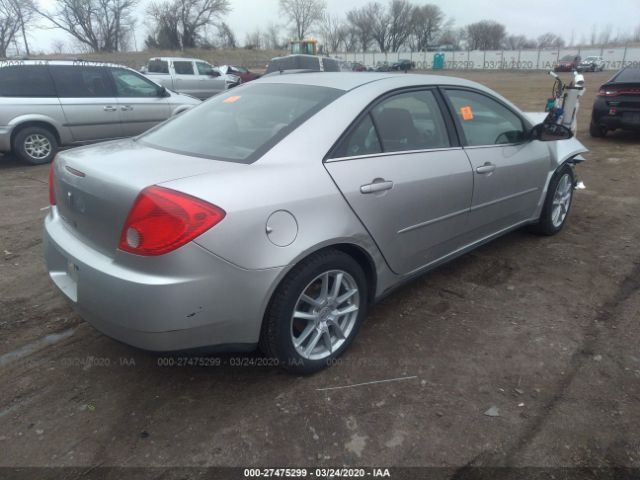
column 614, row 58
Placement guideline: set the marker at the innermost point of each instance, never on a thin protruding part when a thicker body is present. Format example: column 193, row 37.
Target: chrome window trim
column 389, row 154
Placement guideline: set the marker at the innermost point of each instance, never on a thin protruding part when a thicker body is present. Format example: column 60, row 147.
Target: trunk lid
column 96, row 186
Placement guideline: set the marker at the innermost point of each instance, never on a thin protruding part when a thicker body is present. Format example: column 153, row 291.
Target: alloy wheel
column 561, row 201
column 325, row 314
column 37, row 146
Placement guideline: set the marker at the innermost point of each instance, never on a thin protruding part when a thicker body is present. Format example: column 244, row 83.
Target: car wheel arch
column 35, row 123
column 355, row 251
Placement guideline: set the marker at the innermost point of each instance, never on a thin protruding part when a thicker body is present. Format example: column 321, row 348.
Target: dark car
column 617, row 104
column 305, row 63
column 382, row 67
column 568, row 63
column 358, row 67
column 403, row 65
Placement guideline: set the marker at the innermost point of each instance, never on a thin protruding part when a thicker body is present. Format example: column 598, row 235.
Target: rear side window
column 362, row 140
column 26, row 81
column 158, row 66
column 183, row 68
column 81, row 82
column 241, row 125
column 410, row 121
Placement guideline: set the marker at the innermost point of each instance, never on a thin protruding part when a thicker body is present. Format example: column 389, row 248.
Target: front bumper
column 188, row 299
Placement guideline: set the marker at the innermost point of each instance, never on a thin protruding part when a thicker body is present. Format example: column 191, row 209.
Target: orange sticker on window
column 467, row 113
column 232, row 99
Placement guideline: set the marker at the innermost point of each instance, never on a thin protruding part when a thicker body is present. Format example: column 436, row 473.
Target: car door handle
column 126, row 108
column 486, row 168
column 109, row 108
column 374, row 187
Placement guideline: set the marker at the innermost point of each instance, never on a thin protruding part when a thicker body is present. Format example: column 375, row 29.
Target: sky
column 531, row 18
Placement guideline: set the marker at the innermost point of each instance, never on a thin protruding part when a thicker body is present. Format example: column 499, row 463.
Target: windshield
column 243, row 124
column 591, row 59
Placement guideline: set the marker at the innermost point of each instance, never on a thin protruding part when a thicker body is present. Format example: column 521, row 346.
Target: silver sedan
column 275, row 214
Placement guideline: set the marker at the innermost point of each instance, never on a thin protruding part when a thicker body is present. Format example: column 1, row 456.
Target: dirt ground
column 543, row 329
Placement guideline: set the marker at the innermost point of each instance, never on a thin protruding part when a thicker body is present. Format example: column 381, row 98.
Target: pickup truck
column 190, row 76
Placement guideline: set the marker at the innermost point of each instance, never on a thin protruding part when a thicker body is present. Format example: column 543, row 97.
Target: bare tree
column 485, row 35
column 400, row 23
column 427, row 23
column 253, row 40
column 9, row 26
column 303, row 14
column 333, row 32
column 518, row 42
column 179, row 23
column 226, row 36
column 98, row 24
column 605, row 35
column 452, row 36
column 550, row 40
column 24, row 11
column 271, row 38
column 361, row 22
column 380, row 27
column 58, row 46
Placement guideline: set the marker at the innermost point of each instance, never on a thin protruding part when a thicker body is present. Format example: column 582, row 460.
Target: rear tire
column 35, row 145
column 557, row 204
column 304, row 328
column 596, row 131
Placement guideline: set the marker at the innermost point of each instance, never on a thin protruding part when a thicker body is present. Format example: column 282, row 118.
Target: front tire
column 316, row 312
column 35, row 145
column 557, row 204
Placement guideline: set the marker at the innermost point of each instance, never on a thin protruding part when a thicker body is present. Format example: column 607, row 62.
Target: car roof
column 349, row 80
column 178, row 59
column 78, row 62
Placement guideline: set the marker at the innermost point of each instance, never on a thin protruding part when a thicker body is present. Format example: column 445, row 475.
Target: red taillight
column 607, row 92
column 52, row 192
column 162, row 220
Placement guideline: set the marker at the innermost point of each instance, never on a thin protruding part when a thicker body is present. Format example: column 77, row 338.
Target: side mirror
column 162, row 91
column 548, row 132
column 214, row 73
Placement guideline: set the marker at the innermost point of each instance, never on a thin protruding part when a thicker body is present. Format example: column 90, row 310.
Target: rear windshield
column 242, row 124
column 294, row 62
column 628, row 75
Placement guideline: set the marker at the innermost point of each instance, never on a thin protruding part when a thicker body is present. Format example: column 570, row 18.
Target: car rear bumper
column 189, row 299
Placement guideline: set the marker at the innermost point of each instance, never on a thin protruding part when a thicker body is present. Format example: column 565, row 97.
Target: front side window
column 485, row 121
column 26, row 81
column 410, row 121
column 183, row 68
column 241, row 125
column 81, row 82
column 204, row 68
column 130, row 84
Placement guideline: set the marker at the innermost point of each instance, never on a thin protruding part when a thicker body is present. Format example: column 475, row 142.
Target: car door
column 185, row 79
column 140, row 103
column 210, row 80
column 509, row 170
column 88, row 101
column 406, row 178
